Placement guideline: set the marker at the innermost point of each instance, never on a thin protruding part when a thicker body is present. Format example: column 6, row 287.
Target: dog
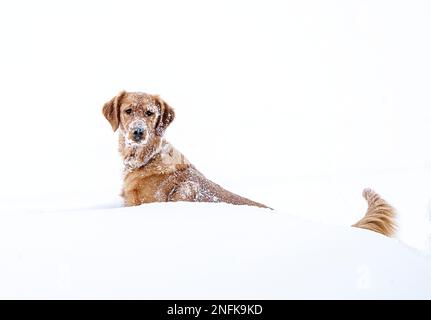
column 154, row 171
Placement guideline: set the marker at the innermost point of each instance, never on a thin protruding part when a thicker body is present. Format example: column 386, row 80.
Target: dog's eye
column 128, row 111
column 149, row 113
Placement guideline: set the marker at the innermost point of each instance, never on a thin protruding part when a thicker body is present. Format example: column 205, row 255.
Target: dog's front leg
column 131, row 198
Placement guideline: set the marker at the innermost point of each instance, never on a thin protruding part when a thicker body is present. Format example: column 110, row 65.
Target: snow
column 199, row 251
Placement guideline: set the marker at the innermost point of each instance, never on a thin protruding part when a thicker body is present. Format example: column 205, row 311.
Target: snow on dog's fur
column 154, row 171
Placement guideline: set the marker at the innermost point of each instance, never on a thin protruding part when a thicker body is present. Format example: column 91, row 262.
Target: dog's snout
column 138, row 132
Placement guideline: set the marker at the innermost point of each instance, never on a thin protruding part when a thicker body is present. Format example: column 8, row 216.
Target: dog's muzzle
column 137, row 131
column 137, row 134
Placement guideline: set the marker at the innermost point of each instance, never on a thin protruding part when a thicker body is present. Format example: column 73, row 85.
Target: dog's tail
column 380, row 216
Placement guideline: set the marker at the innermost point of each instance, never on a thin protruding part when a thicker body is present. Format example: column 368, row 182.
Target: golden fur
column 154, row 171
column 380, row 216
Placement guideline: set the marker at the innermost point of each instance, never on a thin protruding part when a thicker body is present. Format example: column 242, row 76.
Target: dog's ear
column 111, row 110
column 167, row 115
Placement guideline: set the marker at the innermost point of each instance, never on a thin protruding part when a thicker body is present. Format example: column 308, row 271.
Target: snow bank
column 200, row 251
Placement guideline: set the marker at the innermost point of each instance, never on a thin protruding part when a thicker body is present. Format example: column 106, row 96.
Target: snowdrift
column 200, row 251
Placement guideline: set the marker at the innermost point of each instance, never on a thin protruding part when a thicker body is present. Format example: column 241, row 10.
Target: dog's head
column 139, row 116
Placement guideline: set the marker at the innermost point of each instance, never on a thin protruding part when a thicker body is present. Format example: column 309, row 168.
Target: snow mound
column 200, row 251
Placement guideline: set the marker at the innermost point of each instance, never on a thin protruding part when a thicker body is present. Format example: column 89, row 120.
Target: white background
column 299, row 104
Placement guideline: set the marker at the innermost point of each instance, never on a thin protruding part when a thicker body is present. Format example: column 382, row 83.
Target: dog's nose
column 138, row 133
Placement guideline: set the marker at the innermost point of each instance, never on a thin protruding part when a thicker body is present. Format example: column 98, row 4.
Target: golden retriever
column 154, row 171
